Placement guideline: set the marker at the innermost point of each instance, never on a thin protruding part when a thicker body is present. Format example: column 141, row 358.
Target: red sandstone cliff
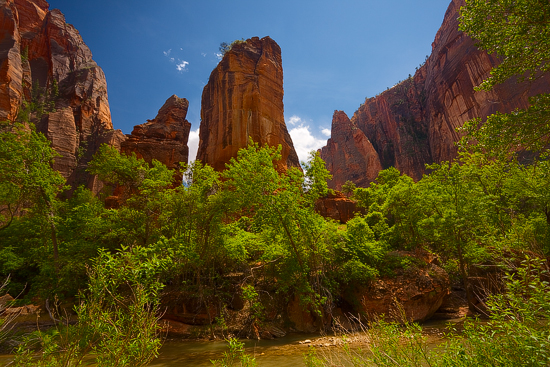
column 414, row 122
column 48, row 77
column 353, row 156
column 165, row 137
column 244, row 98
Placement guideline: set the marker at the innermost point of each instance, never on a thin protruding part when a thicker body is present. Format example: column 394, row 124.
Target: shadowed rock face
column 244, row 98
column 414, row 294
column 40, row 52
column 337, row 206
column 165, row 137
column 415, row 122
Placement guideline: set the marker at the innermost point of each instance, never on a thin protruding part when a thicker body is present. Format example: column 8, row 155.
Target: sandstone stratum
column 414, row 122
column 244, row 99
column 165, row 137
column 48, row 77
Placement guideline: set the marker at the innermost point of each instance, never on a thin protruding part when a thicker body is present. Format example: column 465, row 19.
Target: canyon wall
column 48, row 77
column 244, row 99
column 415, row 122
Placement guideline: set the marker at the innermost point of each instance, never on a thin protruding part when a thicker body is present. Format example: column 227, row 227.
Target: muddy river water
column 281, row 352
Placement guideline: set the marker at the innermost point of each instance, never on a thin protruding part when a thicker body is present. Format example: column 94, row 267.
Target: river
column 287, row 351
column 281, row 352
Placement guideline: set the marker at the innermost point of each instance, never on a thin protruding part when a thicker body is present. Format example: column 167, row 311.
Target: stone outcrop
column 244, row 99
column 414, row 122
column 349, row 154
column 336, row 206
column 48, row 77
column 164, row 138
column 414, row 294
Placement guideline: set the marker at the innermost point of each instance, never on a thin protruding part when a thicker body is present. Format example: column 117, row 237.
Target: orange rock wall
column 353, row 157
column 244, row 98
column 415, row 122
column 337, row 206
column 53, row 50
column 164, row 138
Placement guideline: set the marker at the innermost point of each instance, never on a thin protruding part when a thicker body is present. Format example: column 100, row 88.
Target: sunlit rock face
column 244, row 99
column 414, row 122
column 163, row 138
column 349, row 155
column 39, row 54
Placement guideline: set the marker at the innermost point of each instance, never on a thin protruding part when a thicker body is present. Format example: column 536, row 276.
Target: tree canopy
column 518, row 32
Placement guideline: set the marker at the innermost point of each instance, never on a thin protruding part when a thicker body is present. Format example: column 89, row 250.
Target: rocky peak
column 163, row 138
column 244, row 99
column 349, row 155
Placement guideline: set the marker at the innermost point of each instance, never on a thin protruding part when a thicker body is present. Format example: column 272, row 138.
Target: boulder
column 302, row 318
column 337, row 206
column 414, row 294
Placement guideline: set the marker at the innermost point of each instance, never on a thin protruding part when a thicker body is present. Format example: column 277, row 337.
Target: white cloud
column 219, row 56
column 193, row 144
column 203, row 54
column 167, row 53
column 326, row 132
column 182, row 66
column 172, row 59
column 294, row 120
column 304, row 142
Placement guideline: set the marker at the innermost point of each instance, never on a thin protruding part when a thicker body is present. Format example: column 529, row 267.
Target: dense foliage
column 518, row 32
column 516, row 334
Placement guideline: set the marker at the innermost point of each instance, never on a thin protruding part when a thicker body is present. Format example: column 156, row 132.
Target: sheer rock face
column 164, row 138
column 11, row 68
column 38, row 50
column 349, row 155
column 244, row 98
column 415, row 122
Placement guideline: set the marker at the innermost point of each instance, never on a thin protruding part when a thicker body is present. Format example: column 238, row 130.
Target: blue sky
column 335, row 53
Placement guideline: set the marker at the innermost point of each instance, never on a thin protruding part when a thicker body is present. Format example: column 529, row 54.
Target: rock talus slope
column 414, row 122
column 244, row 98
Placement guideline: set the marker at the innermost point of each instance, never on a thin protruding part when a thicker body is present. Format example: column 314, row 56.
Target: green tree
column 348, row 188
column 28, row 184
column 226, row 47
column 279, row 207
column 518, row 32
column 142, row 190
column 117, row 319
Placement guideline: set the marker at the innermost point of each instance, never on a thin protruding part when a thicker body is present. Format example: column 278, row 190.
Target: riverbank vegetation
column 517, row 332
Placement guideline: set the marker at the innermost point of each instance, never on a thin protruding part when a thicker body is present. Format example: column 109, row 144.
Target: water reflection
column 269, row 353
column 282, row 352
